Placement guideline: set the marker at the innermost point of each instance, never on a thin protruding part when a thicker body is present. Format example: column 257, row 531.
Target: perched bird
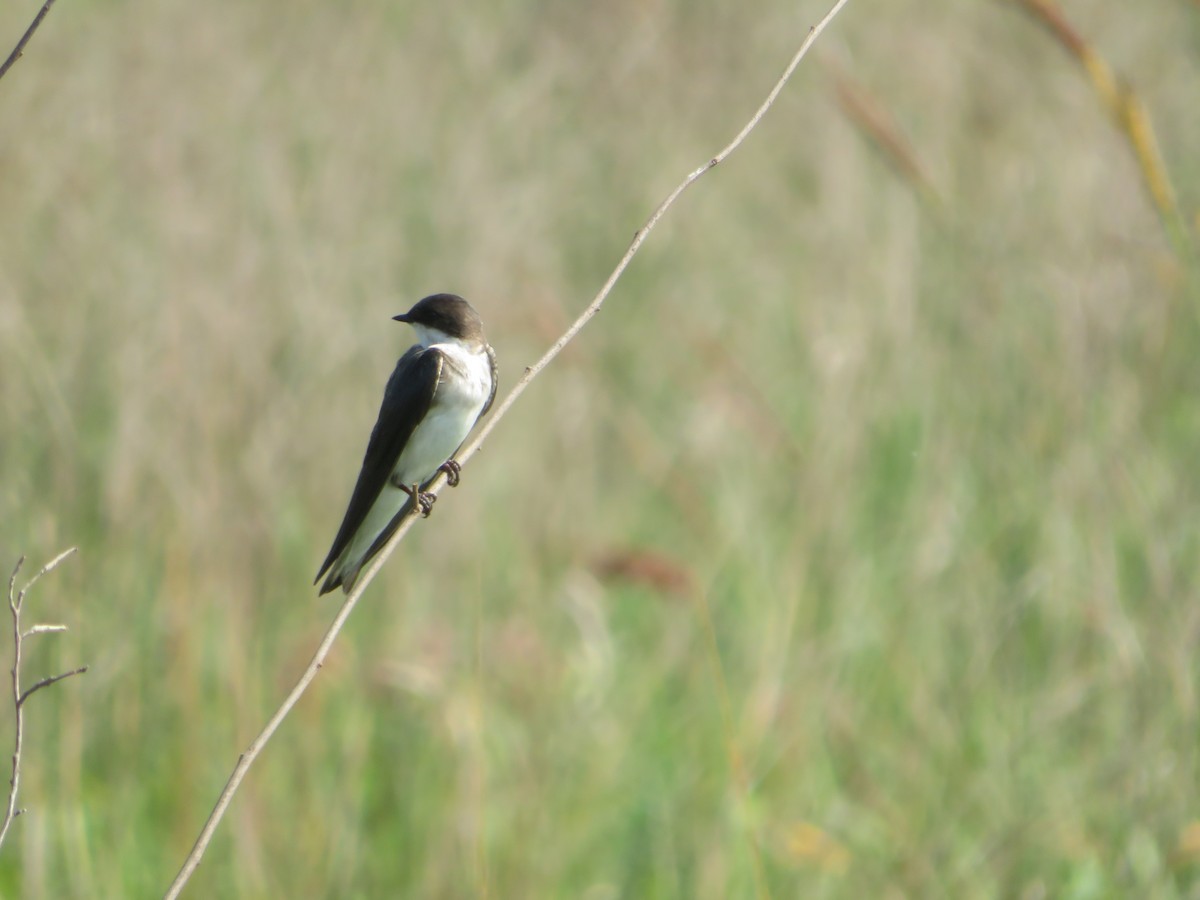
column 441, row 387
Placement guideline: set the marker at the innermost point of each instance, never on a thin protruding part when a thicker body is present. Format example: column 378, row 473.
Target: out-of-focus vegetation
column 929, row 465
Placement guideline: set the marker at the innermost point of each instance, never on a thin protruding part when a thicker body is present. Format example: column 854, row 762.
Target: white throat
column 429, row 336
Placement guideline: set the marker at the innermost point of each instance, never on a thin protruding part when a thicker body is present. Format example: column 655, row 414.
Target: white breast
column 464, row 388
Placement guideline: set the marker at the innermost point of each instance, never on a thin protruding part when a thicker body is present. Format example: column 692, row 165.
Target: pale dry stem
column 16, row 600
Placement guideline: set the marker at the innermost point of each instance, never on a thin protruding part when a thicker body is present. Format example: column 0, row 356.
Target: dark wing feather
column 491, row 355
column 386, row 534
column 406, row 400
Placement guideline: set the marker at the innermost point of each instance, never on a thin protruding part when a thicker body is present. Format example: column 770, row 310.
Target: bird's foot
column 423, row 499
column 425, row 502
column 452, row 469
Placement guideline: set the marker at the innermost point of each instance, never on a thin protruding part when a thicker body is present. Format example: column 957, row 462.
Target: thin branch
column 246, row 760
column 44, row 570
column 43, row 629
column 16, row 600
column 46, row 682
column 19, row 50
column 13, row 601
column 14, row 782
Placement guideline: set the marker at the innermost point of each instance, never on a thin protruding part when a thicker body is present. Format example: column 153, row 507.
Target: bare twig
column 49, row 680
column 246, row 760
column 43, row 629
column 16, row 600
column 19, row 50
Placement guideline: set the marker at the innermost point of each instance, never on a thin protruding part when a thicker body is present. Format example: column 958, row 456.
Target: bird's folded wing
column 406, row 400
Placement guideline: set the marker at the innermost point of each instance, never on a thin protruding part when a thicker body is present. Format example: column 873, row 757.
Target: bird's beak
column 403, row 317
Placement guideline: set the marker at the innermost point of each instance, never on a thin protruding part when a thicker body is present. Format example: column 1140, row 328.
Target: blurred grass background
column 930, row 466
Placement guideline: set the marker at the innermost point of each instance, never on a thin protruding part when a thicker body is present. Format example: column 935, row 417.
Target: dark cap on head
column 449, row 314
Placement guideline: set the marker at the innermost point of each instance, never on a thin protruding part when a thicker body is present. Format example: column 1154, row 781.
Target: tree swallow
column 441, row 387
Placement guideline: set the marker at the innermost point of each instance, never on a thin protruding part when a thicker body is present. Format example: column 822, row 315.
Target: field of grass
column 852, row 551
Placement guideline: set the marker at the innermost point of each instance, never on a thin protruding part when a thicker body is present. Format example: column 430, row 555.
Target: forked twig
column 16, row 600
column 246, row 760
column 19, row 50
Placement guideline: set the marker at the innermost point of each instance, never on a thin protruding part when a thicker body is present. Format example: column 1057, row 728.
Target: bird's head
column 445, row 318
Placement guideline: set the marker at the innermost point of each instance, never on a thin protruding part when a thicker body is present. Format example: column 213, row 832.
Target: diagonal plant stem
column 47, row 681
column 1129, row 115
column 247, row 758
column 19, row 50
